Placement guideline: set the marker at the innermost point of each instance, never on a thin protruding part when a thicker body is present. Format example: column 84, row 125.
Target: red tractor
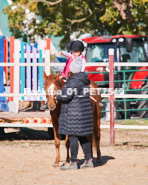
column 127, row 48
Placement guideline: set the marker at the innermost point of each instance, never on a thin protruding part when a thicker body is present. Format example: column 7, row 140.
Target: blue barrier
column 3, row 101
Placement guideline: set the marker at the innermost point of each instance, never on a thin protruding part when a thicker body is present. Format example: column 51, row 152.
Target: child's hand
column 60, row 53
column 56, row 101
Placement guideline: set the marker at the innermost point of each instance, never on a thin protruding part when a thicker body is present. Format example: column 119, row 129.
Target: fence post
column 22, row 70
column 47, row 56
column 35, row 76
column 111, row 96
column 12, row 67
column 6, row 60
column 28, row 48
column 17, row 48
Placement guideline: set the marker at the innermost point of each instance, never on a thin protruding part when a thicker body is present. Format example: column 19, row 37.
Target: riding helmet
column 76, row 46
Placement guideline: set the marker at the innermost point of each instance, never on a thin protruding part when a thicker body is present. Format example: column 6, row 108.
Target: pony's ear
column 45, row 76
column 58, row 75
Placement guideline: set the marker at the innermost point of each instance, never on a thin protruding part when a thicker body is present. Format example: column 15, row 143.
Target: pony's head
column 51, row 86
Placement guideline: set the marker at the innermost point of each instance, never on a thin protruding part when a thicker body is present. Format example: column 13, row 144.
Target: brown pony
column 53, row 82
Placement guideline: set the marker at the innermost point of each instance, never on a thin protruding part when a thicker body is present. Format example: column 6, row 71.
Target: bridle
column 53, row 99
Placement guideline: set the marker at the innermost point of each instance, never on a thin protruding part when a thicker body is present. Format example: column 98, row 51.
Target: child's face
column 76, row 53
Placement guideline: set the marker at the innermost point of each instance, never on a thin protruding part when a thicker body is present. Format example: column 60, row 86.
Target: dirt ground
column 26, row 158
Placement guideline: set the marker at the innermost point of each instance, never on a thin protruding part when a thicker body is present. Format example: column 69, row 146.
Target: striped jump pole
column 35, row 76
column 27, row 77
column 11, row 67
column 6, row 59
column 22, row 69
column 17, row 49
column 28, row 48
column 47, row 55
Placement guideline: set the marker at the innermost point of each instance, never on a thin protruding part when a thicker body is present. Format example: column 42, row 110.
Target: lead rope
column 101, row 104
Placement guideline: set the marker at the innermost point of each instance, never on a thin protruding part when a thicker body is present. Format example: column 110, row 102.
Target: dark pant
column 74, row 147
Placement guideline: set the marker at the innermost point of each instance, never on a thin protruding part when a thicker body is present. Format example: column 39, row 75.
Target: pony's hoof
column 55, row 165
column 67, row 162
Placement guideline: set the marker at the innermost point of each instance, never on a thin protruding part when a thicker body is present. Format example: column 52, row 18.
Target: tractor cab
column 127, row 48
column 133, row 79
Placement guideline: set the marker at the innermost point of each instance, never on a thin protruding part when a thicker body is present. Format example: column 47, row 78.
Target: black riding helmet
column 76, row 46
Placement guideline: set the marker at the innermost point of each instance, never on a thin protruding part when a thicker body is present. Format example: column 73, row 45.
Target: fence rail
column 19, row 124
column 87, row 64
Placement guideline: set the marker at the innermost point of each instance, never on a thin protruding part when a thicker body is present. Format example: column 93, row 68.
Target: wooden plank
column 17, row 48
column 31, row 114
column 48, row 40
column 47, row 60
column 5, row 57
column 40, row 74
column 35, row 81
column 28, row 70
column 1, row 68
column 47, row 55
column 11, row 68
column 6, row 62
column 22, row 68
column 49, row 125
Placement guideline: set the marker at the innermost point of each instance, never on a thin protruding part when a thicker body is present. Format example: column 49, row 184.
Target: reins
column 55, row 98
column 101, row 104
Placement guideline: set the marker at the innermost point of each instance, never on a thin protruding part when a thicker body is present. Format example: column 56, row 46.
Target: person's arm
column 64, row 70
column 65, row 54
column 67, row 94
column 83, row 64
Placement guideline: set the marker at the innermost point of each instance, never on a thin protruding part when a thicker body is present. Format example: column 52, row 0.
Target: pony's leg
column 97, row 136
column 91, row 144
column 67, row 144
column 57, row 144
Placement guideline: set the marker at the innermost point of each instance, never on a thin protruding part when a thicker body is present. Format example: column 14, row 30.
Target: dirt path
column 26, row 158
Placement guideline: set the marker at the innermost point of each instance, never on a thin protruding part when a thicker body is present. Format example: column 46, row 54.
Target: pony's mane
column 60, row 82
column 52, row 78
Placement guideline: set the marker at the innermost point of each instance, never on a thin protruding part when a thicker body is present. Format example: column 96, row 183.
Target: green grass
column 132, row 122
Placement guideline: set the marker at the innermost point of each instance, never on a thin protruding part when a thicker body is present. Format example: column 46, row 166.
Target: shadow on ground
column 104, row 160
column 25, row 134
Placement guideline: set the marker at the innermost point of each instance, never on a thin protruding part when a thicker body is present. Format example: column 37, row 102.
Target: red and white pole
column 47, row 56
column 12, row 67
column 111, row 96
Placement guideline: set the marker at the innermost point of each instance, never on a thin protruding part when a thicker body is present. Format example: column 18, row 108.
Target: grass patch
column 132, row 122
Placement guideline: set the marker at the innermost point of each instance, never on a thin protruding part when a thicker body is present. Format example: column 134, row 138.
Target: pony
column 54, row 83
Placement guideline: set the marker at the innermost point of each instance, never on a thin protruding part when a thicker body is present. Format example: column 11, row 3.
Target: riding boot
column 44, row 106
column 70, row 166
column 87, row 164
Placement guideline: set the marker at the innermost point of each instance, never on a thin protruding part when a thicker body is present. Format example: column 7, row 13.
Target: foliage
column 31, row 18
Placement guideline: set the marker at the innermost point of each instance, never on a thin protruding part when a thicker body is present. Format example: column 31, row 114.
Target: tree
column 28, row 18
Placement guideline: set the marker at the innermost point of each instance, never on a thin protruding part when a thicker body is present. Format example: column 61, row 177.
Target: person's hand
column 56, row 101
column 60, row 53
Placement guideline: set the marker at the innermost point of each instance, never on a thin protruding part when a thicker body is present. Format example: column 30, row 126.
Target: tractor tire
column 51, row 133
column 143, row 104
